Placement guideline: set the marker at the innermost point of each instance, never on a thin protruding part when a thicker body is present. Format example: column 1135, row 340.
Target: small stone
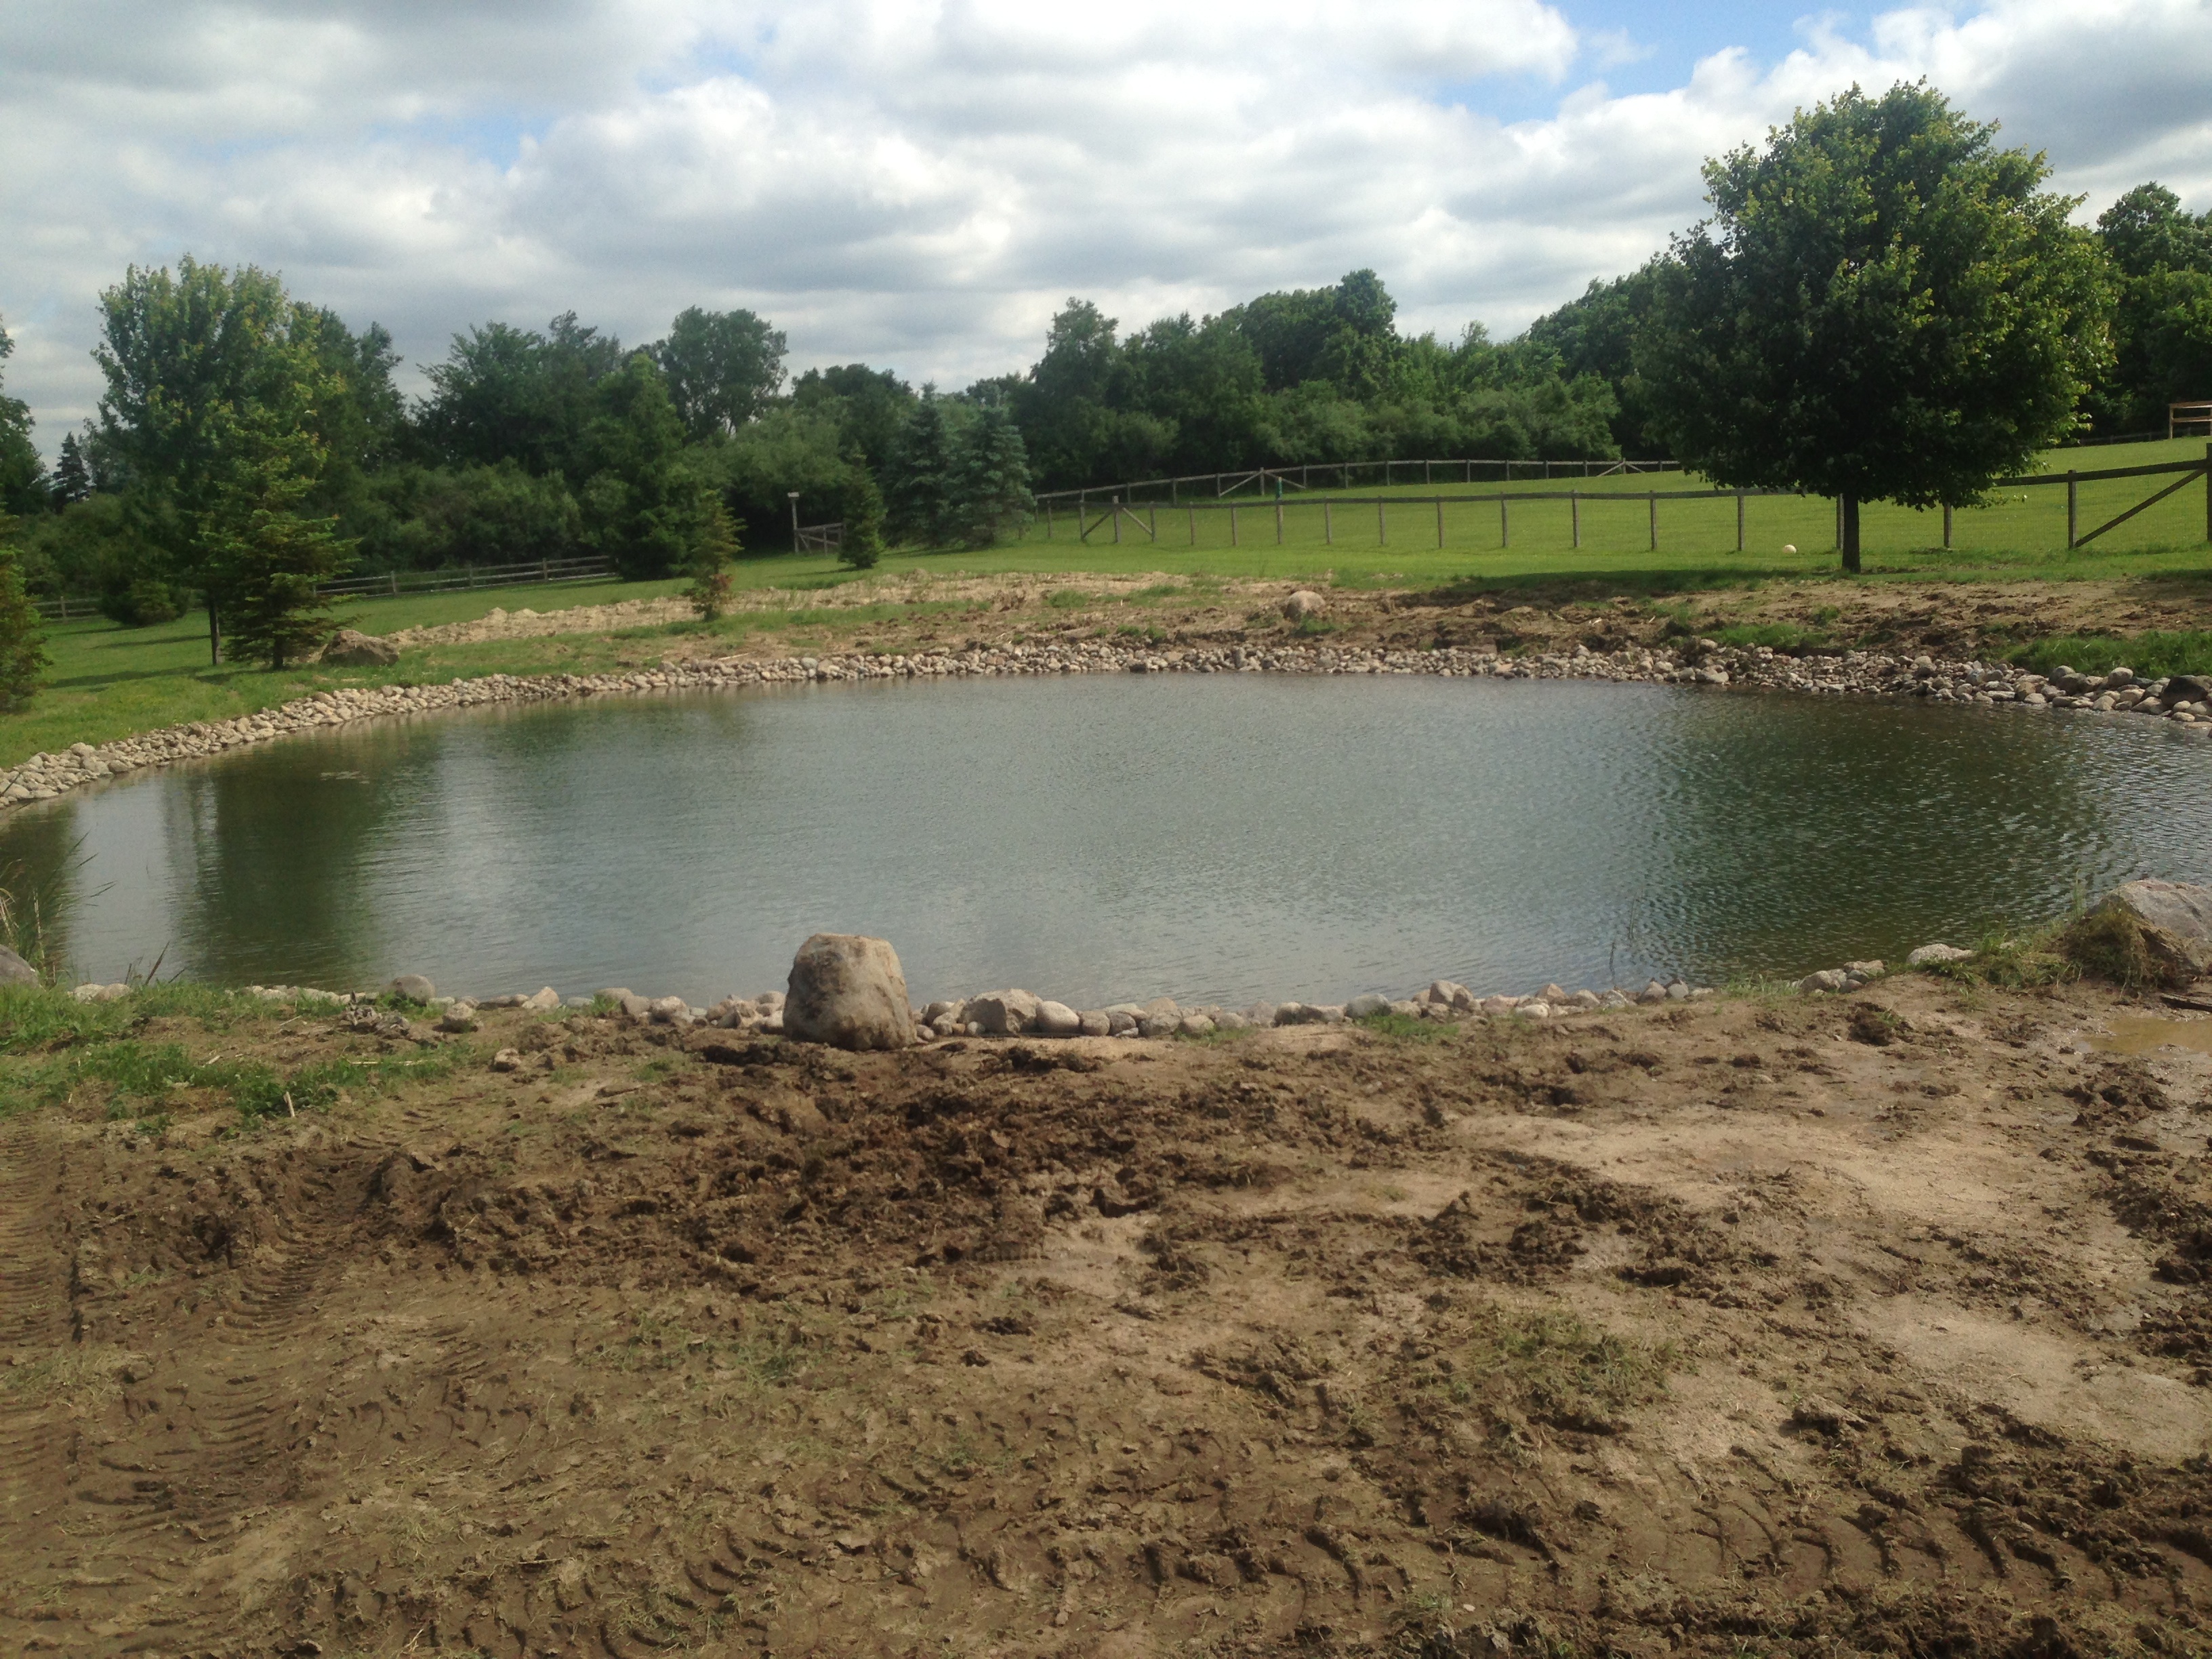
column 1677, row 991
column 1303, row 604
column 1585, row 1000
column 1004, row 1013
column 543, row 1002
column 461, row 1016
column 1058, row 1019
column 1927, row 953
column 1094, row 1023
column 1535, row 1008
column 665, row 1010
column 1828, row 979
column 1159, row 1025
column 1290, row 1014
column 14, row 970
column 1406, row 1010
column 1228, row 1019
column 1366, row 1005
column 413, row 987
column 1654, row 992
column 507, row 1060
column 1121, row 1024
column 1864, row 970
column 1261, row 1014
column 1194, row 1025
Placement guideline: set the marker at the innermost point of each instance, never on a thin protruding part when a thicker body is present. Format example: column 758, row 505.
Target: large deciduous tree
column 2163, row 256
column 22, row 474
column 217, row 389
column 723, row 366
column 22, row 641
column 1884, row 306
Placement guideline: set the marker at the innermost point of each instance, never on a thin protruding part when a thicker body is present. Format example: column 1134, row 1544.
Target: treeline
column 2156, row 266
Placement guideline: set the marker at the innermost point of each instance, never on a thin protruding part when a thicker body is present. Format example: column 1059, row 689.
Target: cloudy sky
column 919, row 184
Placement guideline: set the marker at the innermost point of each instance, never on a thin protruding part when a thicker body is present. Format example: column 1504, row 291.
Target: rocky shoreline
column 2183, row 702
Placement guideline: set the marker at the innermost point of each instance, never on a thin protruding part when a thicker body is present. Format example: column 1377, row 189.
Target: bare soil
column 1867, row 1324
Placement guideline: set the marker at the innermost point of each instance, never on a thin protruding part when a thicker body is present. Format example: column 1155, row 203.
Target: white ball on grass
column 1788, row 547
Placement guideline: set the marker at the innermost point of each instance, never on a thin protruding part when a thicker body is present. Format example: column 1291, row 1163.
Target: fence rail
column 67, row 607
column 1121, row 515
column 821, row 538
column 1300, row 476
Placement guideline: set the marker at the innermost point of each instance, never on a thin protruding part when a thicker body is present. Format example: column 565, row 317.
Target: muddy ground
column 1879, row 1323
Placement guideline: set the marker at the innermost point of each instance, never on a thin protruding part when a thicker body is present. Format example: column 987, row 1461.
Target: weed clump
column 2118, row 946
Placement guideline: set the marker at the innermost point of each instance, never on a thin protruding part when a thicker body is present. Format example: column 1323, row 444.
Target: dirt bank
column 1877, row 1323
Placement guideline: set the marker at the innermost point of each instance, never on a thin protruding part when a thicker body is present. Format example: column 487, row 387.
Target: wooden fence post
column 1193, row 524
column 1440, row 523
column 1655, row 521
column 1738, row 521
column 2208, row 492
column 1575, row 514
column 1839, row 524
column 1117, row 521
column 1381, row 525
column 2073, row 509
column 1504, row 525
column 1946, row 526
column 1327, row 522
column 1232, row 523
column 1047, row 521
column 1279, row 521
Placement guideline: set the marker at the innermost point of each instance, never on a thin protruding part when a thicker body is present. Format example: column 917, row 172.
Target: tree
column 717, row 546
column 990, row 494
column 1596, row 334
column 2162, row 257
column 506, row 393
column 868, row 406
column 72, row 480
column 22, row 639
column 1883, row 306
column 268, row 557
column 862, row 544
column 22, row 474
column 923, row 476
column 209, row 371
column 723, row 366
column 640, row 508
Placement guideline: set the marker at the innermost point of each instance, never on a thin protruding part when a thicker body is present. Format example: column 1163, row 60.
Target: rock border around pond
column 2183, row 701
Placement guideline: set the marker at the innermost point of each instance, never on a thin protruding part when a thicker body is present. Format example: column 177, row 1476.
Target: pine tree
column 72, row 479
column 22, row 639
column 863, row 542
column 717, row 546
column 923, row 478
column 990, row 495
column 268, row 558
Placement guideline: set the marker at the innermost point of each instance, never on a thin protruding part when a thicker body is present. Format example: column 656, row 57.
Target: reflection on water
column 1222, row 837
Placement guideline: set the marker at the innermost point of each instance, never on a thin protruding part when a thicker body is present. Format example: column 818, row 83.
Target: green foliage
column 709, row 591
column 23, row 657
column 1552, row 1366
column 866, row 408
column 722, row 367
column 430, row 518
column 2152, row 655
column 1407, row 1028
column 991, row 479
column 23, row 486
column 505, row 393
column 262, row 554
column 642, row 510
column 2162, row 327
column 1884, row 306
column 862, row 546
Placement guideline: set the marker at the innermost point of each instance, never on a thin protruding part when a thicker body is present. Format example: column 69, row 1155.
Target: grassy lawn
column 107, row 681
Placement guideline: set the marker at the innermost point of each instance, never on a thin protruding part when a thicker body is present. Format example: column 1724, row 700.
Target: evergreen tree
column 22, row 474
column 991, row 490
column 72, row 477
column 717, row 546
column 22, row 638
column 924, row 476
column 640, row 508
column 269, row 558
column 863, row 543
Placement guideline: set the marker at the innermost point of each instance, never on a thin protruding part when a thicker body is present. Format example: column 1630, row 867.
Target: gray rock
column 1290, row 1014
column 1121, row 1023
column 507, row 1060
column 1927, row 953
column 1261, row 1014
column 847, row 990
column 414, row 987
column 14, row 970
column 351, row 649
column 1159, row 1025
column 1366, row 1005
column 543, row 1002
column 1004, row 1013
column 1194, row 1025
column 1677, row 991
column 937, row 1010
column 1228, row 1019
column 1096, row 1023
column 1163, row 1006
column 666, row 1011
column 1303, row 604
column 459, row 1017
column 1586, row 1000
column 1654, row 992
column 2181, row 910
column 1058, row 1019
column 1828, row 979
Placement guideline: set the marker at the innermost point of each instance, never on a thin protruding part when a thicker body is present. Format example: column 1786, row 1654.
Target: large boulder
column 848, row 991
column 1006, row 1013
column 350, row 648
column 2177, row 915
column 14, row 970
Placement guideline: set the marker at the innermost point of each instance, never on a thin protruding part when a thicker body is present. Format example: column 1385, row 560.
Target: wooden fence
column 1119, row 514
column 1302, row 476
column 820, row 538
column 66, row 607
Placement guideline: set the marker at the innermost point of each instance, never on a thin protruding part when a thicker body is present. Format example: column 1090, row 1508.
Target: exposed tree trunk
column 214, row 633
column 1851, row 532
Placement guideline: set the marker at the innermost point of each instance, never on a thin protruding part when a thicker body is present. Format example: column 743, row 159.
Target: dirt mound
column 1716, row 1329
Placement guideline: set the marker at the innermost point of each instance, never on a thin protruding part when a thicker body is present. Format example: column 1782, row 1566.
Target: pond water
column 1213, row 838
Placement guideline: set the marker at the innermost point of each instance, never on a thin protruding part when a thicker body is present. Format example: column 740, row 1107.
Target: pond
column 1215, row 838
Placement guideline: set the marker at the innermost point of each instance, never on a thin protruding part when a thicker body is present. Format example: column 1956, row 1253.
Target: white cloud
column 920, row 182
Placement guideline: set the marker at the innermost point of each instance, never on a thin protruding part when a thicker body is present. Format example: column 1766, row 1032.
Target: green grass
column 107, row 681
column 2151, row 654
